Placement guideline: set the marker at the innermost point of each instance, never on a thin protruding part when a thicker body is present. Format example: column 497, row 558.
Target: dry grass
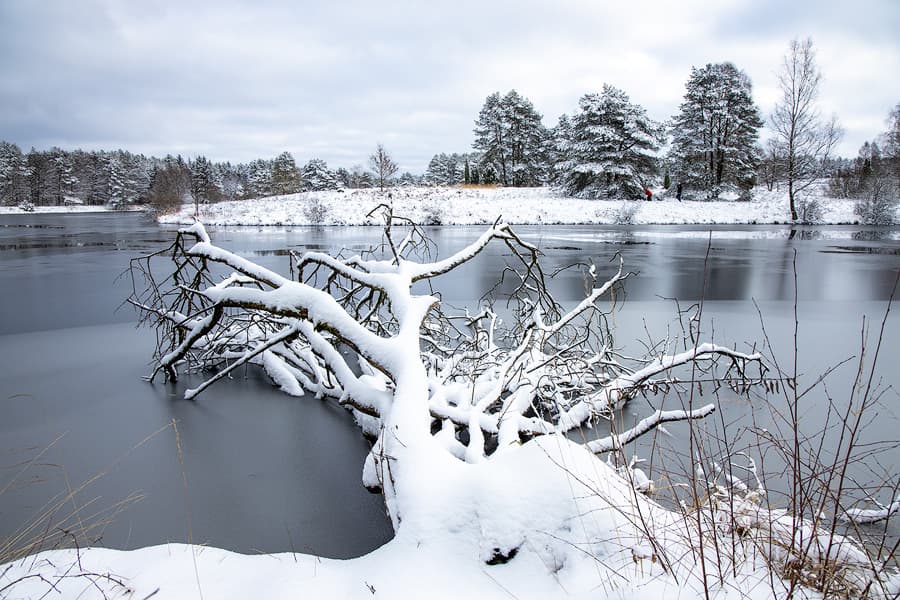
column 67, row 520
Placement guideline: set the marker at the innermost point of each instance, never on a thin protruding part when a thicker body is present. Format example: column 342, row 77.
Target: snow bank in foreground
column 478, row 206
column 569, row 525
column 574, row 527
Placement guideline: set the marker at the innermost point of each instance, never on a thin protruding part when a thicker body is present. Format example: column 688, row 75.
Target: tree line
column 119, row 178
column 607, row 148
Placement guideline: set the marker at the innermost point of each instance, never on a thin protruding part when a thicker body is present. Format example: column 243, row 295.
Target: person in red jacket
column 648, row 193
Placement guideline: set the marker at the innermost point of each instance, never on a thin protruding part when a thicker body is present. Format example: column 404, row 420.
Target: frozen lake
column 257, row 471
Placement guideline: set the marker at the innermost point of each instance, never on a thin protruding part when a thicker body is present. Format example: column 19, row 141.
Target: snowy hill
column 478, row 206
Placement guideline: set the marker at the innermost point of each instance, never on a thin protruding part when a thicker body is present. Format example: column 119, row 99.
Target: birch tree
column 803, row 138
column 383, row 166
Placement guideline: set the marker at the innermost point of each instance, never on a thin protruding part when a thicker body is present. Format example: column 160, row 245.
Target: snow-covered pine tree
column 233, row 180
column 285, row 175
column 259, row 178
column 558, row 144
column 610, row 148
column 715, row 134
column 408, row 179
column 203, row 181
column 97, row 186
column 527, row 137
column 317, row 176
column 445, row 169
column 490, row 136
column 511, row 137
column 140, row 171
column 14, row 174
column 891, row 141
column 119, row 196
column 60, row 180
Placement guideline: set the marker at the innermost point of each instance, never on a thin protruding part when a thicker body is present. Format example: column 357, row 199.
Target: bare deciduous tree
column 382, row 165
column 803, row 138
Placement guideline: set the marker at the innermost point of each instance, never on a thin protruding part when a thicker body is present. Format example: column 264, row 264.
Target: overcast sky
column 237, row 80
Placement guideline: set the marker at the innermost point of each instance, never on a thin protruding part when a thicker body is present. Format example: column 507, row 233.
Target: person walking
column 678, row 192
column 648, row 193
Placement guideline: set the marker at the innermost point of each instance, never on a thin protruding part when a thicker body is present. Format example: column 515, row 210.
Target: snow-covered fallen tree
column 487, row 494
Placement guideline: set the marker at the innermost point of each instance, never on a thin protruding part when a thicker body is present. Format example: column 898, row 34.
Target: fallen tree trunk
column 413, row 375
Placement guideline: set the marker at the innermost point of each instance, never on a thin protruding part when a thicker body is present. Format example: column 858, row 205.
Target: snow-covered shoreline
column 59, row 210
column 519, row 206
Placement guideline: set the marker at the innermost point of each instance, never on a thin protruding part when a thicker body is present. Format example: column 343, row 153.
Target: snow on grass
column 574, row 527
column 482, row 206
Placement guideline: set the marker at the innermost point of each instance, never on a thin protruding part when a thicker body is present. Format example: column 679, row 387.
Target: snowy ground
column 559, row 520
column 580, row 531
column 80, row 208
column 476, row 206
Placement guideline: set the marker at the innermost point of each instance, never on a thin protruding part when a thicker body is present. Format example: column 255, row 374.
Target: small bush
column 810, row 212
column 432, row 214
column 315, row 211
column 626, row 213
column 876, row 210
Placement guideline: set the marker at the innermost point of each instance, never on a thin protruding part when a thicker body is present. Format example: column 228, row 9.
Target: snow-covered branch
column 866, row 516
column 475, row 386
column 617, row 441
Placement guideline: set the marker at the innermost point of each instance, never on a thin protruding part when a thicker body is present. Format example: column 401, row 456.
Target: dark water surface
column 255, row 470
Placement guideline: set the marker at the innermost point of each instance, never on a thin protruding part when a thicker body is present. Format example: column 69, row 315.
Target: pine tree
column 511, row 138
column 259, row 178
column 526, row 138
column 119, row 193
column 343, row 176
column 97, row 188
column 444, row 169
column 203, row 182
column 407, row 179
column 60, row 180
column 317, row 176
column 233, row 180
column 139, row 171
column 285, row 175
column 14, row 173
column 892, row 143
column 715, row 135
column 558, row 144
column 610, row 148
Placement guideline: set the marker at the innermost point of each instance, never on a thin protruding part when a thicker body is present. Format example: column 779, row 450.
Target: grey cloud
column 235, row 80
